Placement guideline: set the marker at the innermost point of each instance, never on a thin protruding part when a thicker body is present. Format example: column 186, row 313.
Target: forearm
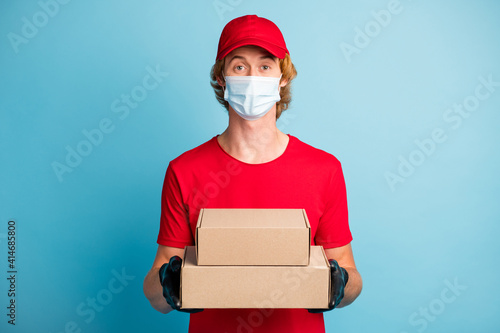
column 154, row 291
column 353, row 287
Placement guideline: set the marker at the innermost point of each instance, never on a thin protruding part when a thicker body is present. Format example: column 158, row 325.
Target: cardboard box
column 253, row 237
column 205, row 287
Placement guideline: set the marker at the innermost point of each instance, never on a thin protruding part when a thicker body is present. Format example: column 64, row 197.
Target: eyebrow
column 268, row 56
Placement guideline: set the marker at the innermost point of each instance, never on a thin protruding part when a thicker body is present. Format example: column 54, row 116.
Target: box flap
column 306, row 219
column 328, row 265
column 254, row 218
column 198, row 225
column 182, row 267
column 200, row 215
column 308, row 226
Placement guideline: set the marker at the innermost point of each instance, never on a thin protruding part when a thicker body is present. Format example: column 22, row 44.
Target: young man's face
column 251, row 61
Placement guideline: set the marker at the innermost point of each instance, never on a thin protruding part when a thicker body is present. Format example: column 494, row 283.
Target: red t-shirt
column 301, row 177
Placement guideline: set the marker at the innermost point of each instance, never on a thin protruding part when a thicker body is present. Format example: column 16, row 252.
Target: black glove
column 338, row 281
column 170, row 279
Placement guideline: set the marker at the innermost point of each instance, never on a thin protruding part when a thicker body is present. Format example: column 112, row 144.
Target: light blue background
column 439, row 225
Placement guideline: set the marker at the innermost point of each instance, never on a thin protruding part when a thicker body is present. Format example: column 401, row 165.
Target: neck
column 256, row 141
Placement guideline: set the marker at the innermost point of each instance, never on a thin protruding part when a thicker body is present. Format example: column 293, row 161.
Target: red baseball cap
column 251, row 30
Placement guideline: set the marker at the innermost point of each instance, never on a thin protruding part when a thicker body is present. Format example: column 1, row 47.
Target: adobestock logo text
column 94, row 137
column 31, row 26
column 427, row 146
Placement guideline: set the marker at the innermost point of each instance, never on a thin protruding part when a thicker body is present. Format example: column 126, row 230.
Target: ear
column 221, row 81
column 283, row 83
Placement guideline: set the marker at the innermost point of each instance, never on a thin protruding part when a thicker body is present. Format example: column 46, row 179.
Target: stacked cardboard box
column 254, row 258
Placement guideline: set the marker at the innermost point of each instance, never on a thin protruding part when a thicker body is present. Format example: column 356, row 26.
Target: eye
column 265, row 67
column 239, row 68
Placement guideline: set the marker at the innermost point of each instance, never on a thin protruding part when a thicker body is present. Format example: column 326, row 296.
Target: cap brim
column 271, row 48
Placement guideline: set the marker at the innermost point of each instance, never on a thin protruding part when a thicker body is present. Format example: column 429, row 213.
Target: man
column 252, row 164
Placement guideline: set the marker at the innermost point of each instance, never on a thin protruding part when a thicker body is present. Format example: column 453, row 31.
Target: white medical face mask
column 252, row 96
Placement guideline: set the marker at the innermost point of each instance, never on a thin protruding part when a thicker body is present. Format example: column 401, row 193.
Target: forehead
column 249, row 52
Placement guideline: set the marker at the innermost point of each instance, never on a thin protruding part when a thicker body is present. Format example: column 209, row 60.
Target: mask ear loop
column 223, row 87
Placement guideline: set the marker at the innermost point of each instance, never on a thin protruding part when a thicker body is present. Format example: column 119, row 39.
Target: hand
column 338, row 281
column 170, row 279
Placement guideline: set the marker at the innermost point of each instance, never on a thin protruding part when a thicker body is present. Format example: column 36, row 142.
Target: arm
column 345, row 258
column 152, row 287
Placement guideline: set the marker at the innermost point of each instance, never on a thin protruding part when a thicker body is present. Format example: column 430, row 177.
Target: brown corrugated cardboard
column 253, row 237
column 218, row 287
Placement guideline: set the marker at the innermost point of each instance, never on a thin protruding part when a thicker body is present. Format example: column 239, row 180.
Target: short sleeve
column 333, row 228
column 175, row 230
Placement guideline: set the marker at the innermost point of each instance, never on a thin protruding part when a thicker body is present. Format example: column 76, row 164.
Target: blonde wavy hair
column 288, row 72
